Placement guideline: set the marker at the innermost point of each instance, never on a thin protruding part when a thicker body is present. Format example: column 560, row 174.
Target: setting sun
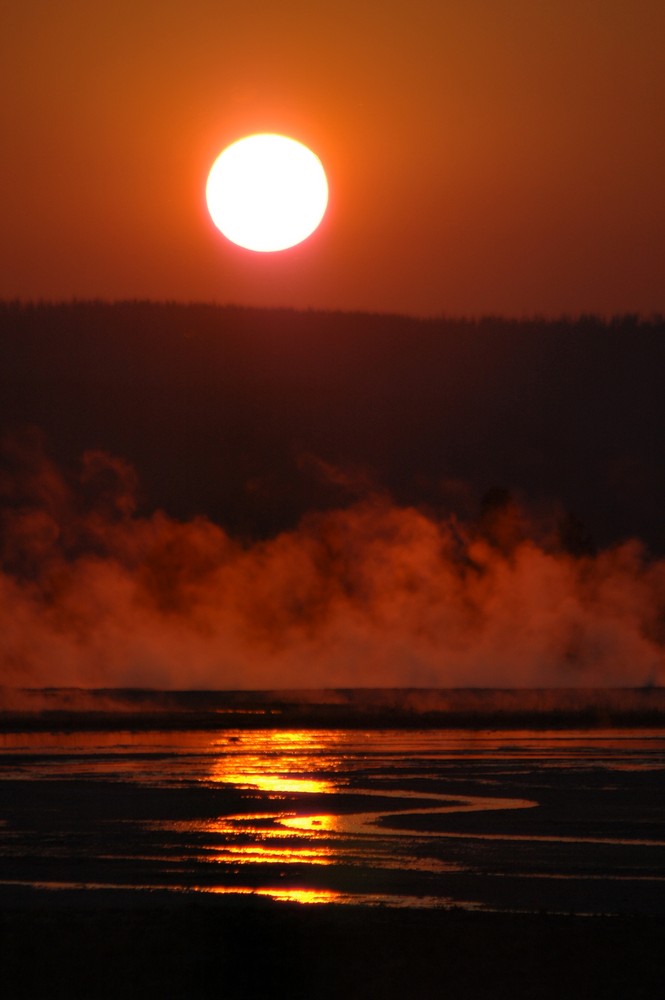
column 267, row 192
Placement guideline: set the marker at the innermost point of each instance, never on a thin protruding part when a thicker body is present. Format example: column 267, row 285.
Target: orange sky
column 501, row 156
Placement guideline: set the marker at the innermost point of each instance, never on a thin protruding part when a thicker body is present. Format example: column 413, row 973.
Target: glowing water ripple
column 365, row 823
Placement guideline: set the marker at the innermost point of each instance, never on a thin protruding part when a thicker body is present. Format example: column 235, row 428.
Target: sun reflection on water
column 257, row 854
column 279, row 763
column 276, row 784
column 301, row 895
column 291, row 765
column 323, row 823
column 282, row 895
column 313, row 812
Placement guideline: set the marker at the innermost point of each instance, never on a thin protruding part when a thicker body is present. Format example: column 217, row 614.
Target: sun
column 267, row 192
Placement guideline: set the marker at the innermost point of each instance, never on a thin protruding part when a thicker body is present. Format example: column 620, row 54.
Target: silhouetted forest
column 255, row 417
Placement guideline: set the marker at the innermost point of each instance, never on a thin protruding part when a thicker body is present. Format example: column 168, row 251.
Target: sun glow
column 267, row 192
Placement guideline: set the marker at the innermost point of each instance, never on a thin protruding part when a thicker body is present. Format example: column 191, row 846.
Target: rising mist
column 373, row 594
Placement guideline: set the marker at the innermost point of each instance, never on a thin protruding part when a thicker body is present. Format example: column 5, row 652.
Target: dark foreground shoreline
column 107, row 946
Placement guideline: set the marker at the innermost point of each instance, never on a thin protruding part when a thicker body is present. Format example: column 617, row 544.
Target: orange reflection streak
column 282, row 895
column 276, row 783
column 317, row 824
column 266, row 846
column 301, row 895
column 278, row 762
column 257, row 854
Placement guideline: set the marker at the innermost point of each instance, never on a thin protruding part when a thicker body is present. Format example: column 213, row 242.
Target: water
column 566, row 821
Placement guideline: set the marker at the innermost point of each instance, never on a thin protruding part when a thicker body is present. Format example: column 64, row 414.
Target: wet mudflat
column 315, row 863
column 555, row 822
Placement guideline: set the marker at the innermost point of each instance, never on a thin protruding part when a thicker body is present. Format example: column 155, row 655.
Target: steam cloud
column 93, row 594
